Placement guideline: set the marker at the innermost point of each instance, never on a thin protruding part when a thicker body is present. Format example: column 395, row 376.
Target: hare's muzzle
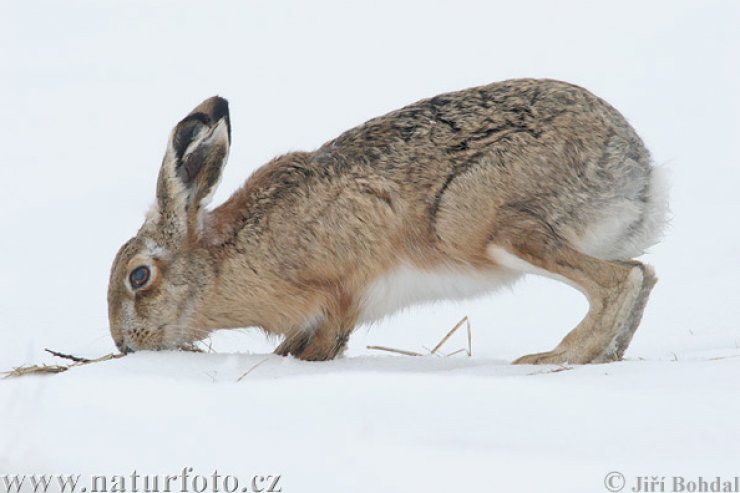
column 123, row 347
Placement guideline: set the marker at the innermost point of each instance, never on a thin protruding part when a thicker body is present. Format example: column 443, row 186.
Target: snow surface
column 90, row 93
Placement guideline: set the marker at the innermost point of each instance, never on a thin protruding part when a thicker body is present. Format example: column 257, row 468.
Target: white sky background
column 90, row 91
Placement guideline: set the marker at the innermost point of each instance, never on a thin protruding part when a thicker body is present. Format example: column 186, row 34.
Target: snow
column 90, row 93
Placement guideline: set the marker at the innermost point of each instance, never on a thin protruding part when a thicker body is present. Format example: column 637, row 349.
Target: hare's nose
column 123, row 347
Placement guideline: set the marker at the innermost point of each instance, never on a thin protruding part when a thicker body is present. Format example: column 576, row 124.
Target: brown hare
column 447, row 198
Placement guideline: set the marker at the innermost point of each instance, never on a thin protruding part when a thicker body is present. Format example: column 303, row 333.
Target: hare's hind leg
column 617, row 292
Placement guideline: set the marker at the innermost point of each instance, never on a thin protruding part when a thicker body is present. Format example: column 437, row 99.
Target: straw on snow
column 45, row 369
column 468, row 350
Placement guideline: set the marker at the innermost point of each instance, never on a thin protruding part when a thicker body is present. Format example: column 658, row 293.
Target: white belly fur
column 407, row 285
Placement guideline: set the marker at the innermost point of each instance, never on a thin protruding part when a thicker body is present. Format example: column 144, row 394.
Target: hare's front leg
column 321, row 341
column 617, row 292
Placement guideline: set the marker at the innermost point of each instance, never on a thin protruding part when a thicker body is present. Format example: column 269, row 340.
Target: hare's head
column 160, row 276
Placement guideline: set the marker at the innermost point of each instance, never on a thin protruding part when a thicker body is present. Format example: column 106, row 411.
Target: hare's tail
column 629, row 225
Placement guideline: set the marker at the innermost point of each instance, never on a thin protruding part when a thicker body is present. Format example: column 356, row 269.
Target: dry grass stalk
column 718, row 358
column 76, row 359
column 393, row 350
column 35, row 370
column 47, row 369
column 251, row 370
column 468, row 350
column 448, row 335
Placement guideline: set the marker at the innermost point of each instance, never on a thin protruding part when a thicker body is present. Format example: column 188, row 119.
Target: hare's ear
column 191, row 169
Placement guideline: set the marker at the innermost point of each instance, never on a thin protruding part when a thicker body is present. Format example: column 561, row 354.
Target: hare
column 447, row 198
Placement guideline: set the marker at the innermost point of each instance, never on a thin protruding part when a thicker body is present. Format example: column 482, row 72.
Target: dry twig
column 35, row 370
column 392, row 350
column 468, row 350
column 46, row 369
column 718, row 358
column 251, row 370
column 449, row 334
column 76, row 359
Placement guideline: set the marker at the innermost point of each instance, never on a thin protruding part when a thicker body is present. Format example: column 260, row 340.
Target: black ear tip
column 214, row 109
column 219, row 108
column 210, row 112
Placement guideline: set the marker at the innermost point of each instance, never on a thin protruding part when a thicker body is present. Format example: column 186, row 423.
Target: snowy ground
column 90, row 92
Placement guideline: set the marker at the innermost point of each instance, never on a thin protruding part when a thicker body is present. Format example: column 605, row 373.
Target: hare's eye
column 139, row 276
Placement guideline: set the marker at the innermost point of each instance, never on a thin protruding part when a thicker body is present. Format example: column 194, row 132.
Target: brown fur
column 528, row 166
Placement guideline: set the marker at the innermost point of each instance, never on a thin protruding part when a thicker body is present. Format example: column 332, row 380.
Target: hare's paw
column 293, row 344
column 320, row 346
column 547, row 358
column 554, row 357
